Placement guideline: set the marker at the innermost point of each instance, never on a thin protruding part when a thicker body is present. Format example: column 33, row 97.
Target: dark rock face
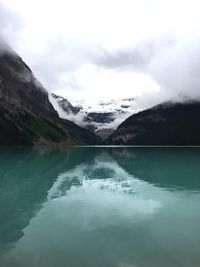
column 104, row 133
column 166, row 124
column 66, row 106
column 74, row 114
column 19, row 88
column 26, row 115
column 100, row 117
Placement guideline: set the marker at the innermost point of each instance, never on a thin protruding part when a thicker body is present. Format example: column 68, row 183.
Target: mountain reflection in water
column 100, row 207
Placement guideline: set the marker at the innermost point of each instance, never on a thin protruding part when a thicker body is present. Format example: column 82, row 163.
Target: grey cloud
column 61, row 58
column 137, row 58
column 122, row 59
column 177, row 71
column 172, row 62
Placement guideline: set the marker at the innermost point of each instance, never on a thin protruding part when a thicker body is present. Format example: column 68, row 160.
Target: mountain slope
column 165, row 124
column 26, row 115
column 69, row 112
column 65, row 105
column 100, row 117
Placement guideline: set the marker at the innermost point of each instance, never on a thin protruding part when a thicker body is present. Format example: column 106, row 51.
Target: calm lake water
column 100, row 207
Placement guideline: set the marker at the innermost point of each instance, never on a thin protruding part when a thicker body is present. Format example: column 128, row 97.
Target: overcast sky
column 101, row 49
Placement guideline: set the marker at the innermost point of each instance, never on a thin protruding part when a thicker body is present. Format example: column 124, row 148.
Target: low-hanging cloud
column 57, row 63
column 177, row 70
column 173, row 63
column 169, row 55
column 135, row 58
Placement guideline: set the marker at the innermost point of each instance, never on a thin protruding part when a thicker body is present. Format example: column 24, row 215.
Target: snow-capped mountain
column 73, row 113
column 66, row 105
column 102, row 117
column 101, row 106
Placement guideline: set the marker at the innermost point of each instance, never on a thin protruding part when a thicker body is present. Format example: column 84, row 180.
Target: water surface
column 100, row 207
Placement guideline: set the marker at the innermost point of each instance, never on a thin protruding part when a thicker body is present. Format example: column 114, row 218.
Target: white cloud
column 99, row 83
column 103, row 49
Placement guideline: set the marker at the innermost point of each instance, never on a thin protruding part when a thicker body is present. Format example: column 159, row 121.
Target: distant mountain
column 102, row 117
column 108, row 114
column 65, row 105
column 165, row 124
column 72, row 113
column 26, row 115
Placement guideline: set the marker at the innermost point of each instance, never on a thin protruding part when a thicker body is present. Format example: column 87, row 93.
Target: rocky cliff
column 26, row 115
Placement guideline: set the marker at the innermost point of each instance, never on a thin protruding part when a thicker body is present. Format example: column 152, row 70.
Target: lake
column 100, row 207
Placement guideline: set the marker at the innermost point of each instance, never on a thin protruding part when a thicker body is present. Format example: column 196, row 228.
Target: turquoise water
column 100, row 207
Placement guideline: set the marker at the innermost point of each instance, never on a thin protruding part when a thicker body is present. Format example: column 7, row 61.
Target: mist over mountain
column 27, row 117
column 158, row 62
column 101, row 117
column 152, row 65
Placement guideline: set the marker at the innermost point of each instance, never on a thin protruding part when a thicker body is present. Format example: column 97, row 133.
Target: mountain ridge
column 164, row 124
column 27, row 117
